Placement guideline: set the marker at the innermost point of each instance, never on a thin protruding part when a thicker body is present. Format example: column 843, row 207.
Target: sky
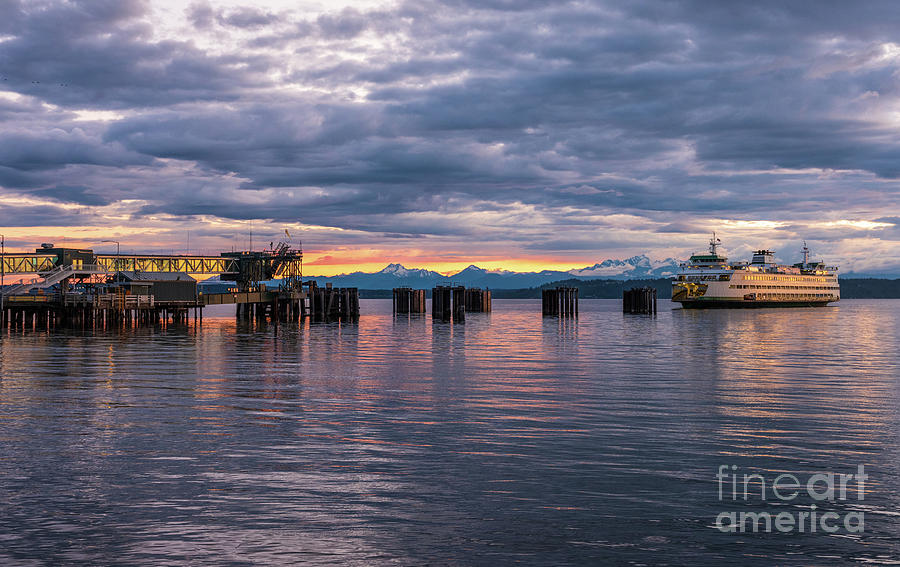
column 513, row 134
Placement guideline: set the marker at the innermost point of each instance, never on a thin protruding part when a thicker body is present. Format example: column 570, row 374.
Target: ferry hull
column 742, row 304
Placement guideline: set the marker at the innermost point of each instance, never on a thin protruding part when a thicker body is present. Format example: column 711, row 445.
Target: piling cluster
column 332, row 303
column 284, row 306
column 478, row 300
column 448, row 303
column 289, row 306
column 408, row 300
column 639, row 300
column 559, row 301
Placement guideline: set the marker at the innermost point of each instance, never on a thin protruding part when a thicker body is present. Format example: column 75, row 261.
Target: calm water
column 399, row 441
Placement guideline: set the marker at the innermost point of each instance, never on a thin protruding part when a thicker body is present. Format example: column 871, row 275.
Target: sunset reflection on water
column 396, row 439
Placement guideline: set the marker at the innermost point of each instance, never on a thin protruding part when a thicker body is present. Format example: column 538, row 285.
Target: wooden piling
column 559, row 302
column 408, row 300
column 331, row 303
column 639, row 300
column 448, row 303
column 440, row 303
column 478, row 300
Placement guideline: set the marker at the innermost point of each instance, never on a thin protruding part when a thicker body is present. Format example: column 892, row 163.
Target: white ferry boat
column 709, row 280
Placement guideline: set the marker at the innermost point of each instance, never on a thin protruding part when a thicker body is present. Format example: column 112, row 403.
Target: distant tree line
column 851, row 288
column 869, row 288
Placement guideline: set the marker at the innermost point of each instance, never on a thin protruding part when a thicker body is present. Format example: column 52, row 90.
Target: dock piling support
column 639, row 300
column 559, row 302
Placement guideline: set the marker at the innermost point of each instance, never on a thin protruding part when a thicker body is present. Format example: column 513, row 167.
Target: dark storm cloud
column 71, row 194
column 830, row 233
column 101, row 54
column 821, row 144
column 673, row 112
column 346, row 146
column 45, row 185
column 13, row 216
column 43, row 162
column 56, row 148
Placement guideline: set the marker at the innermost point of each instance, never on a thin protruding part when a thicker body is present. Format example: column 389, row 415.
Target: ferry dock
column 79, row 288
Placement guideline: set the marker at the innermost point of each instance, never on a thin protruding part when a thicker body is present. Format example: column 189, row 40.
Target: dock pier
column 78, row 288
column 109, row 310
column 92, row 311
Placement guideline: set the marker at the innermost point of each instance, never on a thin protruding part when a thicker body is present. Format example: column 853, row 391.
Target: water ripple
column 401, row 441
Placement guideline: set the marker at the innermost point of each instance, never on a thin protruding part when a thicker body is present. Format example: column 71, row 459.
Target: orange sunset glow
column 333, row 263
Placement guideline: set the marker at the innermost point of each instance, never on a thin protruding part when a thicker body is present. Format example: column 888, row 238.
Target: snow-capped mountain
column 391, row 276
column 400, row 271
column 634, row 267
column 396, row 275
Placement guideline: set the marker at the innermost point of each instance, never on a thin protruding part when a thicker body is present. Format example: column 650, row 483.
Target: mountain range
column 397, row 275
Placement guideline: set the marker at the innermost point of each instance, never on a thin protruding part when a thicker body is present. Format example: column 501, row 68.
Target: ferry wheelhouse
column 709, row 280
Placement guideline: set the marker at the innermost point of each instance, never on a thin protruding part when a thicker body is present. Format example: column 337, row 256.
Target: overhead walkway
column 53, row 277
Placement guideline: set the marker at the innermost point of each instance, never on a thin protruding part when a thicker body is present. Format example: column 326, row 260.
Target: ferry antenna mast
column 714, row 244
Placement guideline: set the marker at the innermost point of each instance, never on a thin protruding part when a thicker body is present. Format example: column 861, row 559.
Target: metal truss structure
column 27, row 263
column 245, row 268
column 185, row 264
